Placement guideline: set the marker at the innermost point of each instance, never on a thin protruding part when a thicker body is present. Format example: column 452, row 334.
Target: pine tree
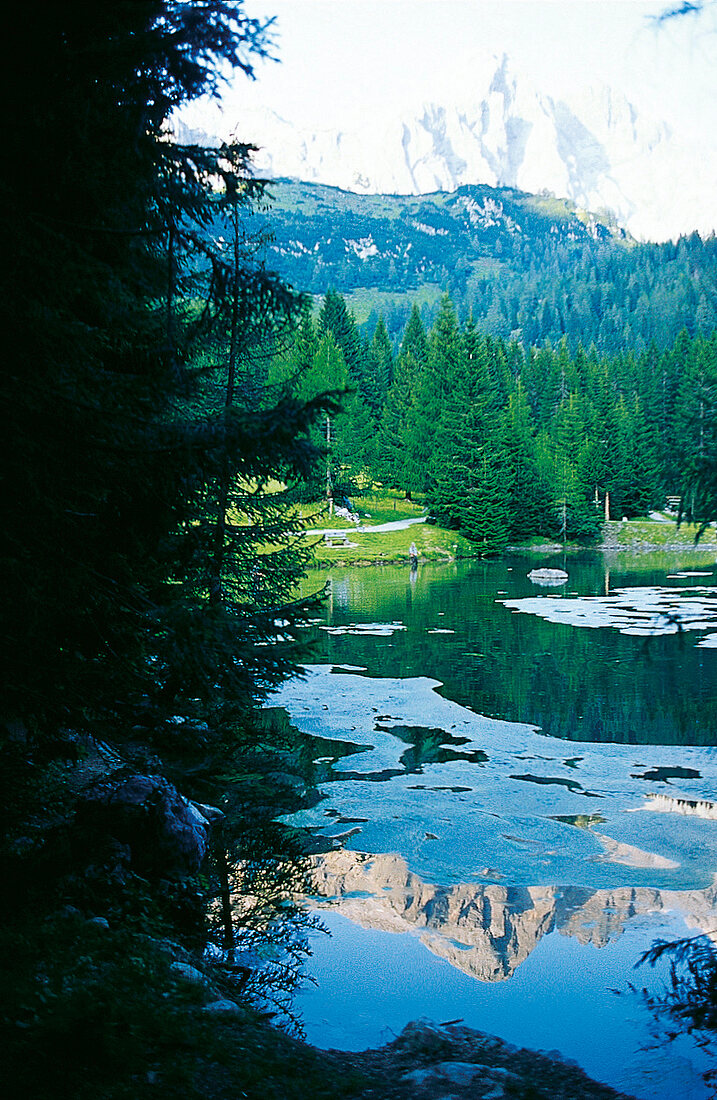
column 530, row 497
column 433, row 385
column 118, row 431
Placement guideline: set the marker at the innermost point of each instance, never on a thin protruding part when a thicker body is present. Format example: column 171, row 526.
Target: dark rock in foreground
column 167, row 834
column 436, row 1061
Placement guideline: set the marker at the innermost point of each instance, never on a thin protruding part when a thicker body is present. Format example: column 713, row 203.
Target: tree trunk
column 215, row 584
column 225, row 895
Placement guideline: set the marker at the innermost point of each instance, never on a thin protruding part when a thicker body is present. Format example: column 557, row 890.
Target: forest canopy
column 525, row 267
column 506, row 442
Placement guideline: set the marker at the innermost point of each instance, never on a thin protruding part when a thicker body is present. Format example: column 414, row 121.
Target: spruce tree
column 433, row 385
column 116, row 435
column 530, row 497
column 383, row 352
column 471, row 478
column 637, row 488
column 486, row 518
column 414, row 339
column 391, row 444
column 374, row 386
column 336, row 318
column 696, row 428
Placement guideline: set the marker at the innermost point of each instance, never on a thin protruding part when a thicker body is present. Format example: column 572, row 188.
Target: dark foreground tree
column 113, row 303
column 148, row 557
column 688, row 1002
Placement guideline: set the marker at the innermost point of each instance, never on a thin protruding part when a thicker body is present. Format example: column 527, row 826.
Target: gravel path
column 395, row 525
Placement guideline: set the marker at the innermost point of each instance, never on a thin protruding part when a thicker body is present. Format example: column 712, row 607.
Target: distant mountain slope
column 324, row 236
column 530, row 266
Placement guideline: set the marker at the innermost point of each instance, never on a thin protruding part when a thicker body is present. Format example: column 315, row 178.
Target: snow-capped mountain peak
column 596, row 150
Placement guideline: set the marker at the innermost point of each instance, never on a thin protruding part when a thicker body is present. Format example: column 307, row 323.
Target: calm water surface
column 585, row 685
column 483, row 869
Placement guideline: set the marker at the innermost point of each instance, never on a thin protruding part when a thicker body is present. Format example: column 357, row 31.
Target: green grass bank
column 362, row 546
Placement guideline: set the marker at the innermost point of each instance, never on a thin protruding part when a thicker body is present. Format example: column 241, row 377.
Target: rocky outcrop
column 430, row 1061
column 167, row 835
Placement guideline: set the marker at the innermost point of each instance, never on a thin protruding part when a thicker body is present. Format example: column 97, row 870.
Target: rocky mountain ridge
column 317, row 236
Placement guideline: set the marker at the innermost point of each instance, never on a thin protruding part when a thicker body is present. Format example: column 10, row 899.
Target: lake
column 518, row 788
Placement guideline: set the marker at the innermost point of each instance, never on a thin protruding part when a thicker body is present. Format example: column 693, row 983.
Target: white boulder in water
column 548, row 576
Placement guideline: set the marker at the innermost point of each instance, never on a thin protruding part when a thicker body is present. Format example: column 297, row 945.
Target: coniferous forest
column 168, row 401
column 503, row 441
column 528, row 267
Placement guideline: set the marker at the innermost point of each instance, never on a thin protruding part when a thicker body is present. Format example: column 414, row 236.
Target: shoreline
column 333, row 557
column 377, row 538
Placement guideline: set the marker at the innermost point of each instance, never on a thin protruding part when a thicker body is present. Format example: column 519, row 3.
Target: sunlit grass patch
column 634, row 532
column 364, row 300
column 374, row 507
column 432, row 543
column 383, row 506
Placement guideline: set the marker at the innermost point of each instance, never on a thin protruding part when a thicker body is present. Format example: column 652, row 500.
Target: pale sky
column 340, row 59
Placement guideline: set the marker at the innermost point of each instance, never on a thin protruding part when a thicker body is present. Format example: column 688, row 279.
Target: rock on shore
column 430, row 1061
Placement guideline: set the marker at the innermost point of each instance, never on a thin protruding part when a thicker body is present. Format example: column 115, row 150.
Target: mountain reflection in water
column 488, row 931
